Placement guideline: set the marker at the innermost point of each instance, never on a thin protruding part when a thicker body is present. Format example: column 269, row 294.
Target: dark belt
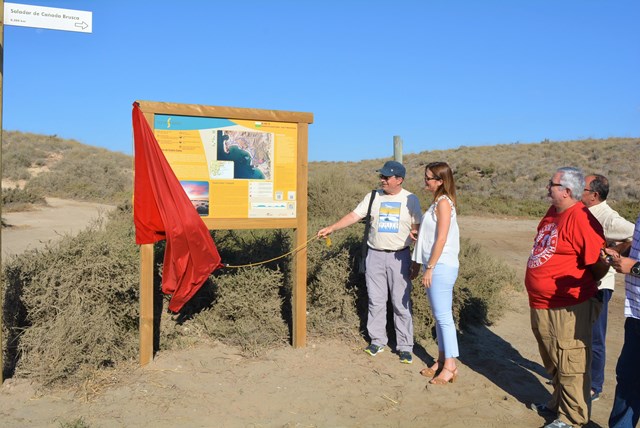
column 390, row 251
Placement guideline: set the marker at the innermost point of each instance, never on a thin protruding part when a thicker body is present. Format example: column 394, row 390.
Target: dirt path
column 331, row 383
column 34, row 229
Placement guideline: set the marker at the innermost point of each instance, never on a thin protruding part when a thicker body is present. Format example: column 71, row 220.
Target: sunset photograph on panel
column 198, row 192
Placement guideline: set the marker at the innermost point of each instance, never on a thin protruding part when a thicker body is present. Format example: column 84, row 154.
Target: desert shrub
column 23, row 150
column 247, row 312
column 73, row 170
column 478, row 296
column 333, row 190
column 482, row 281
column 17, row 199
column 75, row 423
column 106, row 177
column 513, row 174
column 470, row 204
column 336, row 295
column 629, row 209
column 515, row 185
column 73, row 306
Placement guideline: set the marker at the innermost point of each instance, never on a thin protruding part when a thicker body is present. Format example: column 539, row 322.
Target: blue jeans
column 598, row 349
column 626, row 404
column 440, row 295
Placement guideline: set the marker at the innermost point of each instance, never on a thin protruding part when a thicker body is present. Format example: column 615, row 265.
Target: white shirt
column 391, row 219
column 428, row 234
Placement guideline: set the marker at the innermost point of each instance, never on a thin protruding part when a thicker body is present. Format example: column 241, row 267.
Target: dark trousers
column 626, row 405
column 598, row 349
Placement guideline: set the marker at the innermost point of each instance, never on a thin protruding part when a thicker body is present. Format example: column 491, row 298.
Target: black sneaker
column 595, row 396
column 405, row 357
column 373, row 350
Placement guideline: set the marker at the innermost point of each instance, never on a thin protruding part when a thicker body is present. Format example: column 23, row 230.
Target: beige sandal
column 430, row 371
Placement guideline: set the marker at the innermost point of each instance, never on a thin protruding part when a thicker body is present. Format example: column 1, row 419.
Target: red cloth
column 557, row 269
column 162, row 209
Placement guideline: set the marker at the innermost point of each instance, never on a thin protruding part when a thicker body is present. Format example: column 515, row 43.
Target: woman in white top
column 437, row 251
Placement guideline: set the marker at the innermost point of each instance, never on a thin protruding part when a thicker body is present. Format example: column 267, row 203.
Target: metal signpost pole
column 24, row 15
column 1, row 95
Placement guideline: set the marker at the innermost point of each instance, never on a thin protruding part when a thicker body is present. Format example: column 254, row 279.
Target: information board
column 232, row 168
column 242, row 169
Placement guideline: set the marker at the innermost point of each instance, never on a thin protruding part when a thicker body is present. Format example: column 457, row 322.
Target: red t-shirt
column 566, row 243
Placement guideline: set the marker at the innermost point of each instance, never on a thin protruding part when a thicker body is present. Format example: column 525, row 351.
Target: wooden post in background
column 397, row 148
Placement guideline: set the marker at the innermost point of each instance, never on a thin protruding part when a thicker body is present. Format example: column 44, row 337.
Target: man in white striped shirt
column 626, row 405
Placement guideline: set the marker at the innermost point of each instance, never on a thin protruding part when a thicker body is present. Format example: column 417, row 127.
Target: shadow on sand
column 490, row 355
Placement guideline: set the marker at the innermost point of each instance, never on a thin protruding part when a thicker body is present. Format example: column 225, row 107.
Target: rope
column 279, row 257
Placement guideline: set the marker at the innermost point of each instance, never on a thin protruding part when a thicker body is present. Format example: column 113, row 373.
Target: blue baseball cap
column 393, row 168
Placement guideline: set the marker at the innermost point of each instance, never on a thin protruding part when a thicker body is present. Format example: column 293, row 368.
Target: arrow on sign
column 82, row 25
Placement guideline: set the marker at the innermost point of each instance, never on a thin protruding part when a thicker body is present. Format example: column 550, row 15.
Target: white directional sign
column 25, row 15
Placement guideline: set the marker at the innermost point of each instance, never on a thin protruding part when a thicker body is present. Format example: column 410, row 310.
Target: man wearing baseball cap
column 395, row 220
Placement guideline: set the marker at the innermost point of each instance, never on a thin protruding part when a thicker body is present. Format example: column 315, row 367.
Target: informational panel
column 232, row 168
column 242, row 169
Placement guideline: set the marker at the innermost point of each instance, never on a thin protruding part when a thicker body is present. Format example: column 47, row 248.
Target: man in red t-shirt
column 562, row 277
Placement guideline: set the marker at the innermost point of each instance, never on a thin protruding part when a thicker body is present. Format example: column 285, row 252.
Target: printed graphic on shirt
column 544, row 246
column 389, row 219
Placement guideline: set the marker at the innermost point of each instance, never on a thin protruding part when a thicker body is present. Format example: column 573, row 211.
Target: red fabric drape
column 162, row 210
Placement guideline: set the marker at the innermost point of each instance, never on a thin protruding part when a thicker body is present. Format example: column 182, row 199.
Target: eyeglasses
column 589, row 190
column 385, row 177
column 427, row 178
column 552, row 184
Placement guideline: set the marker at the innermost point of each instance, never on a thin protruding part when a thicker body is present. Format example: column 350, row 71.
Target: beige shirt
column 616, row 229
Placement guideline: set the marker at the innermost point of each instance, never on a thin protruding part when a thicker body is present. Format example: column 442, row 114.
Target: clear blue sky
column 440, row 74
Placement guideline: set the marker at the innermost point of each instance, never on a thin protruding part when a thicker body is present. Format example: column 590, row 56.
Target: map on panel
column 232, row 168
column 247, row 152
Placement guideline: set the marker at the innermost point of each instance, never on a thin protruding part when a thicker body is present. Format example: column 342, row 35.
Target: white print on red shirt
column 544, row 246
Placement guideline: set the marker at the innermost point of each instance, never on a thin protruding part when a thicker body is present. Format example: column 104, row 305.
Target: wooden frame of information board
column 298, row 223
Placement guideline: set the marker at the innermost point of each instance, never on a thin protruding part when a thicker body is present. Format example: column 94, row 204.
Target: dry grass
column 73, row 307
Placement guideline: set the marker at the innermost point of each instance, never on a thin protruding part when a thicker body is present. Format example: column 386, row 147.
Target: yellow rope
column 279, row 257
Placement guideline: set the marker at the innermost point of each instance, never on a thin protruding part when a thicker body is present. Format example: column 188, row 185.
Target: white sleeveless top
column 427, row 237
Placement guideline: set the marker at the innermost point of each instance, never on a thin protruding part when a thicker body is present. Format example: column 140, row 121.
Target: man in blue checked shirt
column 626, row 405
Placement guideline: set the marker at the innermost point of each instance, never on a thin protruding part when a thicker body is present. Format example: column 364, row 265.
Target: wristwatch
column 635, row 269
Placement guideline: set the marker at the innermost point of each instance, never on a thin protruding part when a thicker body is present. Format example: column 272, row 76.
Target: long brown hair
column 442, row 171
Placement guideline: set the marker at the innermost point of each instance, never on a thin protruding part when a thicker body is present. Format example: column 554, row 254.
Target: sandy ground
column 34, row 229
column 328, row 383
